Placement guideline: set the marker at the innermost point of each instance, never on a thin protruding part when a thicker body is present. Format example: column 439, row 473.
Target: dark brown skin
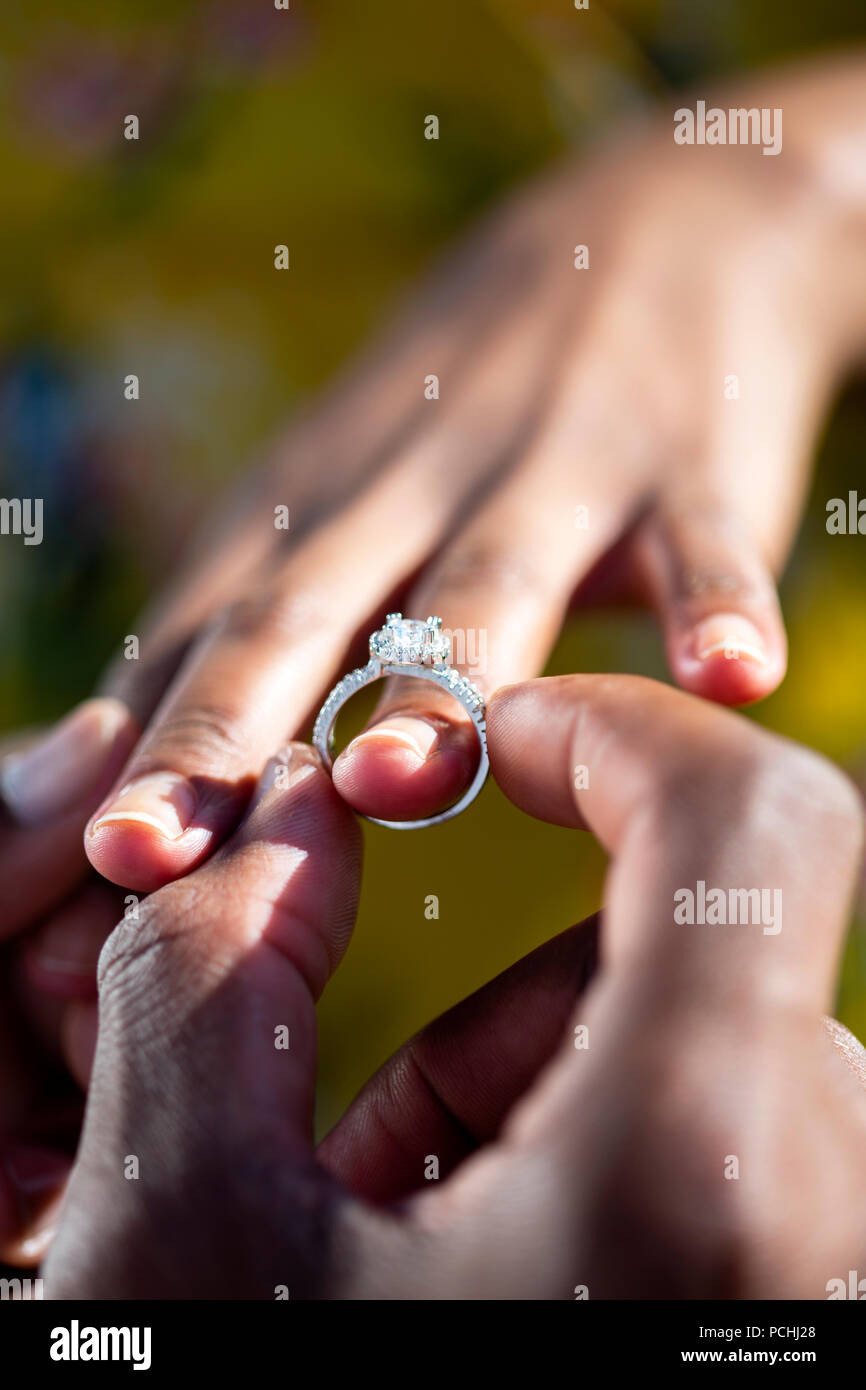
column 560, row 1167
column 559, row 388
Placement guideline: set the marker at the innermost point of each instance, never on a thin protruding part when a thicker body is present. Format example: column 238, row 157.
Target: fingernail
column 55, row 966
column 36, row 1179
column 38, row 1193
column 36, row 1245
column 284, row 771
column 64, row 952
column 34, row 1171
column 56, row 772
column 399, row 731
column 163, row 800
column 729, row 635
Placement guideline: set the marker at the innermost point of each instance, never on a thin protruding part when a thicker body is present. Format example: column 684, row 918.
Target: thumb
column 203, row 1079
column 219, row 975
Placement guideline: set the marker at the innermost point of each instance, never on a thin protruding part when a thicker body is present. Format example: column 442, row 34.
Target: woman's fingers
column 250, row 681
column 378, row 427
column 449, row 1088
column 32, row 1183
column 50, row 774
column 253, row 679
column 502, row 588
column 49, row 788
column 60, row 955
column 716, row 600
column 49, row 977
column 40, row 1113
column 728, row 505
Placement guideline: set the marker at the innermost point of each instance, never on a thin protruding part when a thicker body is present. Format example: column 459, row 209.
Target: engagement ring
column 408, row 647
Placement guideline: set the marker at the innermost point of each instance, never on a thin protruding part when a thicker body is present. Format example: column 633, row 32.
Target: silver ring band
column 448, row 679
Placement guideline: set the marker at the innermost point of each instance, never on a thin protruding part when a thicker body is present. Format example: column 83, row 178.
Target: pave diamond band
column 408, row 647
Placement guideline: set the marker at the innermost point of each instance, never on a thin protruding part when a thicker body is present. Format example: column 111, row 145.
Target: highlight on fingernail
column 284, row 771
column 399, row 732
column 729, row 636
column 35, row 1178
column 63, row 972
column 164, row 801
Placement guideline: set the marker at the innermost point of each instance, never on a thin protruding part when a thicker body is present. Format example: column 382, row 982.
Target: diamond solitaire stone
column 410, row 642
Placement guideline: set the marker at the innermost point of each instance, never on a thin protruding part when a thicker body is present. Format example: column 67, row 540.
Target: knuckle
column 819, row 793
column 732, row 581
column 141, row 684
column 712, row 555
column 277, row 613
column 484, row 566
column 209, row 731
column 711, row 758
column 809, row 800
column 721, row 582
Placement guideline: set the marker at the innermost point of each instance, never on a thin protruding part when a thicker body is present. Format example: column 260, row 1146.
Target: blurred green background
column 261, row 127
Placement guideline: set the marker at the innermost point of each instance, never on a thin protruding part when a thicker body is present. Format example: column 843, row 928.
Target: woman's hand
column 671, row 1121
column 641, row 427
